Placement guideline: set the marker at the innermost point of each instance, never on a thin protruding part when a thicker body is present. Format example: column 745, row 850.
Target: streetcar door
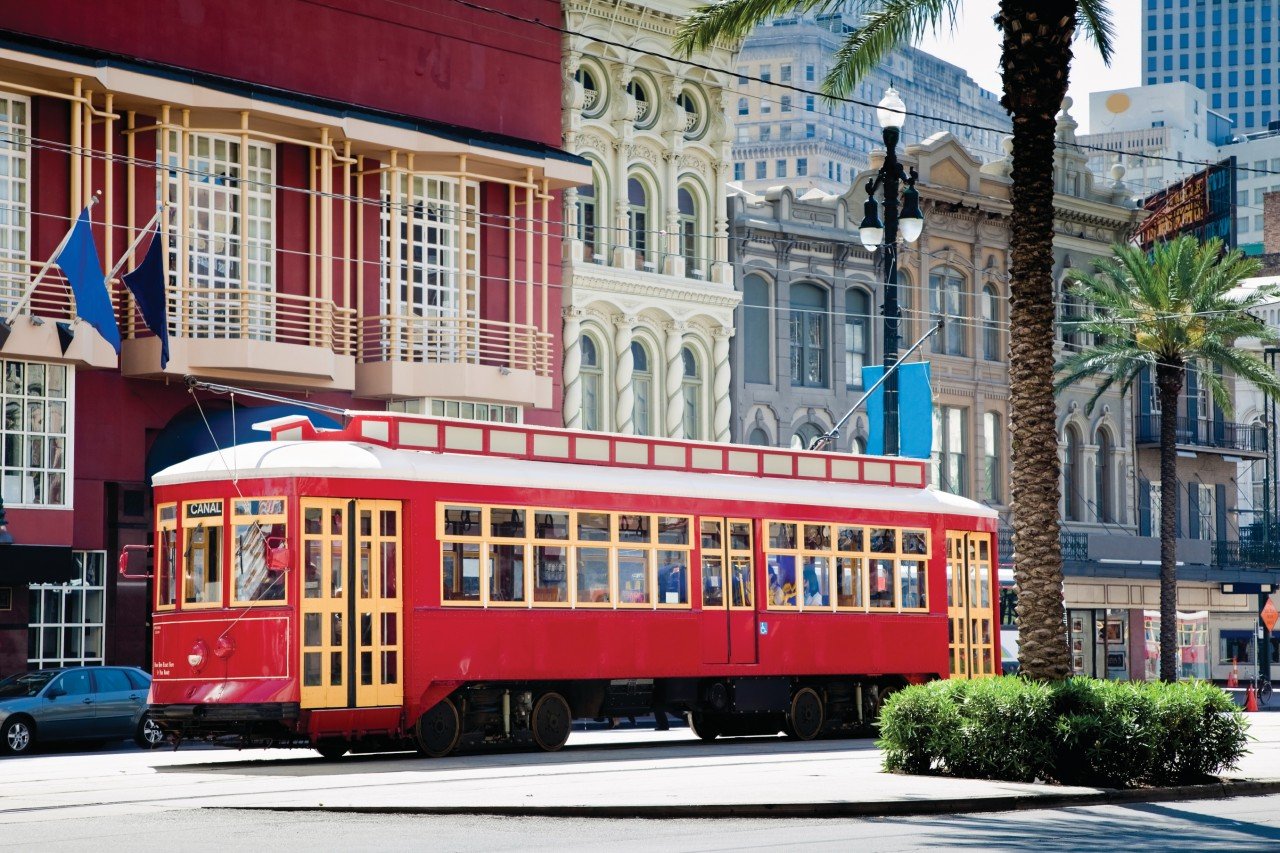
column 728, row 586
column 351, row 604
column 971, row 605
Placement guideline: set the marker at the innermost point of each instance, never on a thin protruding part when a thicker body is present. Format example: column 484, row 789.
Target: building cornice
column 659, row 288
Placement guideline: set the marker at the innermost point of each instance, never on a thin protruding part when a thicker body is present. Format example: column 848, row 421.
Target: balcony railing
column 218, row 313
column 52, row 297
column 1075, row 546
column 454, row 340
column 1206, row 433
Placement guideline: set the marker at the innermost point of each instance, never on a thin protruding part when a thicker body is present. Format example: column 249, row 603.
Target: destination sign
column 204, row 509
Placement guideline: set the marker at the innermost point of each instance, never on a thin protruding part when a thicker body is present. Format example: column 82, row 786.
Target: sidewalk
column 601, row 773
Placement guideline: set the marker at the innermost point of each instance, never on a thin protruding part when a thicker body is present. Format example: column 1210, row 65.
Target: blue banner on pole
column 146, row 283
column 915, row 411
column 78, row 261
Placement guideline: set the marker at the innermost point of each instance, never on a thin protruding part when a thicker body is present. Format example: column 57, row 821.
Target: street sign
column 1270, row 615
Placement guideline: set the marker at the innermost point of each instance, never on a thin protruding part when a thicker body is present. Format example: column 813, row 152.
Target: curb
column 890, row 808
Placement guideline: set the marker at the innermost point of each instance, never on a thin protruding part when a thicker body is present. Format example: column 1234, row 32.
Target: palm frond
column 886, row 24
column 736, row 19
column 1094, row 18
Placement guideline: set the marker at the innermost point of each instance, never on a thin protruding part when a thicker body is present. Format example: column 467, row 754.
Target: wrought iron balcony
column 1222, row 435
column 1075, row 546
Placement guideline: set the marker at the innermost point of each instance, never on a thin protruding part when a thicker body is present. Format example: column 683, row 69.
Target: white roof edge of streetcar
column 357, row 460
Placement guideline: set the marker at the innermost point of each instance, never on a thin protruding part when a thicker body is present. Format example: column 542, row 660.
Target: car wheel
column 18, row 736
column 149, row 734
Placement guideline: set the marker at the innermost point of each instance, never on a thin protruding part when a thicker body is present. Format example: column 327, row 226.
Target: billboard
column 1202, row 204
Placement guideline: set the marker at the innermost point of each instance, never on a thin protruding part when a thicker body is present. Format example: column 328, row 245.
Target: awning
column 24, row 564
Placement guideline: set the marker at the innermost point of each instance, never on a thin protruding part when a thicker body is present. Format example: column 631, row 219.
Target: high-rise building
column 1225, row 47
column 793, row 136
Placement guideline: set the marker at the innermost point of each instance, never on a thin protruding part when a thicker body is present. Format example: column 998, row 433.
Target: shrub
column 1077, row 732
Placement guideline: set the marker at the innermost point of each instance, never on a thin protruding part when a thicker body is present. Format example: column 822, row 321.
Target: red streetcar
column 421, row 580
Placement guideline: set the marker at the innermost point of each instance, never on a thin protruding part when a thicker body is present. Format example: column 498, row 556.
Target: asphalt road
column 1244, row 824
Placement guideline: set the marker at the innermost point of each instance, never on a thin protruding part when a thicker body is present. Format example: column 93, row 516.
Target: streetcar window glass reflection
column 260, row 555
column 460, row 566
column 593, row 575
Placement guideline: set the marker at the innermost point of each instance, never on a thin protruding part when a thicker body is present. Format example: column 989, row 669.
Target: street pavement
column 607, row 773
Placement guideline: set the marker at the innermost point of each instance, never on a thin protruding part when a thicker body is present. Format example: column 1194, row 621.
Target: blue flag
column 915, row 411
column 146, row 283
column 78, row 261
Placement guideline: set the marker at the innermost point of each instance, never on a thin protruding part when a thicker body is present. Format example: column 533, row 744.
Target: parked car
column 80, row 703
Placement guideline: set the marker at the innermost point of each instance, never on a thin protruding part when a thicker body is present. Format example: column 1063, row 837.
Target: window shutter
column 1193, row 400
column 1177, row 510
column 1220, row 509
column 1144, row 508
column 1144, row 393
column 1193, row 512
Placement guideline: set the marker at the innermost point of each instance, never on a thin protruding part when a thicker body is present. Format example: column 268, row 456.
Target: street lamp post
column 891, row 113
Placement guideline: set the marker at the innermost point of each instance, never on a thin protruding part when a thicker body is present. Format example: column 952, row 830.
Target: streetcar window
column 911, row 580
column 635, row 528
column 202, row 553
column 260, row 546
column 712, row 580
column 817, row 537
column 462, row 520
column 741, row 582
column 593, row 526
column 916, row 542
column 711, row 536
column 817, row 580
column 881, row 583
column 551, row 581
column 782, row 536
column 551, row 525
column 460, row 568
column 782, row 580
column 506, row 523
column 506, row 573
column 593, row 575
column 673, row 530
column 883, row 540
column 849, row 539
column 167, row 557
column 849, row 581
column 740, row 535
column 673, row 577
column 633, row 576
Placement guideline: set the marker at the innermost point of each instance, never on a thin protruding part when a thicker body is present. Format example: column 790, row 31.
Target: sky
column 976, row 36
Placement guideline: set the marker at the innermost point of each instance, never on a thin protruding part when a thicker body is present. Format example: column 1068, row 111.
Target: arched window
column 992, row 439
column 692, row 384
column 592, row 95
column 1071, row 313
column 859, row 445
column 642, row 385
column 1106, row 478
column 991, row 323
column 689, row 233
column 805, row 435
column 638, row 220
column 744, row 107
column 946, row 300
column 757, row 348
column 592, row 383
column 759, row 437
column 588, row 217
column 857, row 335
column 1071, row 477
column 808, row 336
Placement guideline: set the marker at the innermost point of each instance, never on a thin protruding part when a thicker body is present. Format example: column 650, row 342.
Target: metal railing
column 52, row 297
column 1206, row 433
column 1075, row 546
column 454, row 340
column 222, row 313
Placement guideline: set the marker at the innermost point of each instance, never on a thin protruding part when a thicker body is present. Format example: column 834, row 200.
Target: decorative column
column 1089, row 488
column 674, row 344
column 720, row 384
column 673, row 125
column 624, row 417
column 624, row 131
column 573, row 368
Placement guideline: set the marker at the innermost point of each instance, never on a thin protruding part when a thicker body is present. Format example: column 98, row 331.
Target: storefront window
column 1193, row 644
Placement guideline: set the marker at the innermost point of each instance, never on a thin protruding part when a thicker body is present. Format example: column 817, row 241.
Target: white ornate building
column 649, row 310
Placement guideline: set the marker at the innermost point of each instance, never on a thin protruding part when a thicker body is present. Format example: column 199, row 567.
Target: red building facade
column 358, row 202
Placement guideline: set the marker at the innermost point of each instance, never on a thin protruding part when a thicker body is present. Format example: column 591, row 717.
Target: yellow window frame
column 189, row 524
column 238, row 518
column 168, row 525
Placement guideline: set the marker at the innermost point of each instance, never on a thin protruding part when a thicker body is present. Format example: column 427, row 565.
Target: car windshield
column 24, row 684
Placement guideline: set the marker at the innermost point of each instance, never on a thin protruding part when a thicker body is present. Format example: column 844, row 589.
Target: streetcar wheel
column 551, row 723
column 704, row 726
column 805, row 719
column 149, row 735
column 18, row 736
column 438, row 729
column 332, row 750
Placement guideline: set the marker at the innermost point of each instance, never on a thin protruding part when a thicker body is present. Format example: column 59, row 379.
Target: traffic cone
column 1250, row 699
column 1233, row 680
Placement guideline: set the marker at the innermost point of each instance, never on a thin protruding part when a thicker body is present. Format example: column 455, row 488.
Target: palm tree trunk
column 1036, row 59
column 1169, row 386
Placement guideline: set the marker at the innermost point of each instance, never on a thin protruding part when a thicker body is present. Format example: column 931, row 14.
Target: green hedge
column 1113, row 734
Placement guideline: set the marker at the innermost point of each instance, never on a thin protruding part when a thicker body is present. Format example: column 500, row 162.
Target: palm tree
column 1035, row 60
column 1166, row 313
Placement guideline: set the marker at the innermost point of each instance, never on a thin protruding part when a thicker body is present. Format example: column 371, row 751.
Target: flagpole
column 142, row 233
column 53, row 259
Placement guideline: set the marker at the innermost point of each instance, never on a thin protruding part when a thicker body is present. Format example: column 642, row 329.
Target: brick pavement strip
column 605, row 774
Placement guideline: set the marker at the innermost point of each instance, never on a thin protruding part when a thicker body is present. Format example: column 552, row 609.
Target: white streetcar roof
column 358, row 460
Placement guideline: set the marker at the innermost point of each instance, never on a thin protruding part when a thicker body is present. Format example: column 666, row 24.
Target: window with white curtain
column 950, row 449
column 592, row 385
column 946, row 300
column 67, row 624
column 15, row 112
column 642, row 386
column 692, row 385
column 36, row 402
